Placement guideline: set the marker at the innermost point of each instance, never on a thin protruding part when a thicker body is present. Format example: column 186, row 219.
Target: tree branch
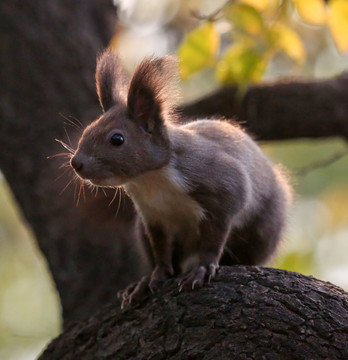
column 282, row 110
column 247, row 313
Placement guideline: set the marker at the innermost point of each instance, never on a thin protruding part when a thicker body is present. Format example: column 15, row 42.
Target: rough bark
column 247, row 313
column 283, row 110
column 47, row 64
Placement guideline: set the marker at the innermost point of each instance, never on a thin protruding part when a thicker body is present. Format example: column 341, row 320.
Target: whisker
column 57, row 155
column 65, row 164
column 90, row 186
column 73, row 126
column 78, row 121
column 67, row 135
column 124, row 195
column 94, row 189
column 75, row 192
column 104, row 192
column 62, row 174
column 66, row 186
column 119, row 201
column 83, row 191
column 70, row 149
column 113, row 198
column 79, row 194
column 71, row 123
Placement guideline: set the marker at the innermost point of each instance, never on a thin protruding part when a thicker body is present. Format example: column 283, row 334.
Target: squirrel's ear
column 151, row 94
column 111, row 80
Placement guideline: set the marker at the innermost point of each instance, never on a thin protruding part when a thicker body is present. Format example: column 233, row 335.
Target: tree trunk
column 247, row 313
column 47, row 65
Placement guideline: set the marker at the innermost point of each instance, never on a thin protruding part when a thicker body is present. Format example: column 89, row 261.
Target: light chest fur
column 162, row 198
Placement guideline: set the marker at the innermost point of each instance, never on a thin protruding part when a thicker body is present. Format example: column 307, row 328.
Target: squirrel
column 203, row 189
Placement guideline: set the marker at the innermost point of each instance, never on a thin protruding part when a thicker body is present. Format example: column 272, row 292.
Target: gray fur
column 204, row 190
column 111, row 81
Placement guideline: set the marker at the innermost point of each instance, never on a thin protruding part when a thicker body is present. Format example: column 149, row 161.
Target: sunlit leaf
column 288, row 41
column 199, row 49
column 312, row 11
column 258, row 4
column 338, row 23
column 240, row 64
column 335, row 199
column 301, row 261
column 245, row 17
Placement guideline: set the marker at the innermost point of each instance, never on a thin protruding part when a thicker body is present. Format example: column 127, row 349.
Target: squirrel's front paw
column 196, row 277
column 134, row 292
column 159, row 275
column 137, row 291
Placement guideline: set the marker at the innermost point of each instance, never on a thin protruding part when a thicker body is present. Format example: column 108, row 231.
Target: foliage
column 257, row 30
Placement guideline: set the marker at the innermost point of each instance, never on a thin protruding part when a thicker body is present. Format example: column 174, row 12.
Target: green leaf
column 287, row 40
column 241, row 64
column 301, row 261
column 246, row 18
column 338, row 23
column 198, row 50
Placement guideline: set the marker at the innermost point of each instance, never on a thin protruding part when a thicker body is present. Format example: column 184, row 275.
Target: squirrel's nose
column 76, row 163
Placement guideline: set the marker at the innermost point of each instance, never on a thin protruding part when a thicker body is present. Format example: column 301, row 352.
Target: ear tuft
column 111, row 80
column 152, row 91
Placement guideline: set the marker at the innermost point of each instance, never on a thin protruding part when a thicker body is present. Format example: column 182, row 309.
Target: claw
column 153, row 287
column 212, row 270
column 124, row 303
column 134, row 292
column 182, row 281
column 195, row 278
column 159, row 275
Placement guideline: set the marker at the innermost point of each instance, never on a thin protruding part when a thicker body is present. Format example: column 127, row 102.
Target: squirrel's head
column 130, row 138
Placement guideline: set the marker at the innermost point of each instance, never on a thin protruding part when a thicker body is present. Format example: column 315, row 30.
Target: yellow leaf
column 335, row 199
column 245, row 17
column 338, row 23
column 198, row 50
column 258, row 4
column 312, row 11
column 241, row 64
column 288, row 41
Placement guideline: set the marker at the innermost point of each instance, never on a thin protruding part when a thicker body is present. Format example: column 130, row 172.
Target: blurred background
column 264, row 40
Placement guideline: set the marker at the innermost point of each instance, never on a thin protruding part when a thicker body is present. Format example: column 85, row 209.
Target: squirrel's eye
column 117, row 139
